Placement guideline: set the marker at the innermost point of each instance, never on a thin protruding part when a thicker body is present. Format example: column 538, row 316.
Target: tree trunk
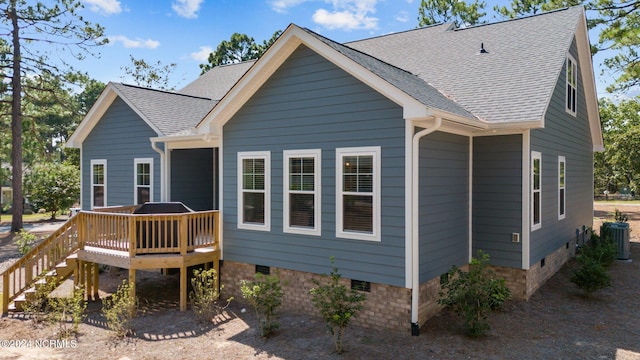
column 16, row 124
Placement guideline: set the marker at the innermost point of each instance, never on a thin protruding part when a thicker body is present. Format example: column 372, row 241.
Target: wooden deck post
column 96, row 281
column 5, row 293
column 183, row 288
column 132, row 290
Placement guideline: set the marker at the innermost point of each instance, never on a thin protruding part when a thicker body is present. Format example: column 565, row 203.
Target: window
column 536, row 190
column 572, row 85
column 98, row 183
column 254, row 190
column 302, row 191
column 358, row 193
column 562, row 178
column 143, row 180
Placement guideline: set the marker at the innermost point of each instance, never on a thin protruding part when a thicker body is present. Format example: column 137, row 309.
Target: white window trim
column 571, row 62
column 137, row 161
column 536, row 155
column 102, row 162
column 266, row 155
column 316, row 154
column 374, row 151
column 562, row 159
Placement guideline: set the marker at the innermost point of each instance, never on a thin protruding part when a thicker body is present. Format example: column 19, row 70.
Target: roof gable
column 373, row 72
column 164, row 112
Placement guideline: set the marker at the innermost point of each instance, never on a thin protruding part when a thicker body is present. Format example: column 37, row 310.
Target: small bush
column 591, row 276
column 473, row 294
column 38, row 305
column 601, row 249
column 265, row 295
column 205, row 295
column 25, row 241
column 68, row 313
column 594, row 258
column 119, row 310
column 336, row 305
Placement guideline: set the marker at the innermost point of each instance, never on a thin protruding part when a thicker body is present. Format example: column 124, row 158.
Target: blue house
column 399, row 156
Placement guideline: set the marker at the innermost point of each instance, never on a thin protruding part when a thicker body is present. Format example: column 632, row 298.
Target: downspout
column 163, row 182
column 415, row 203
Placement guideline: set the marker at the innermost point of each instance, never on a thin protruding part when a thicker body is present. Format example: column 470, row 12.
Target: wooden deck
column 117, row 237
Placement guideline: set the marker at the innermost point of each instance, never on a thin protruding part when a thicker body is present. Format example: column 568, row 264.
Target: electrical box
column 515, row 237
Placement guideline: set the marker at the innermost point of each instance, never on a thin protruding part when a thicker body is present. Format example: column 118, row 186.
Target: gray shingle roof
column 215, row 83
column 512, row 82
column 402, row 79
column 170, row 112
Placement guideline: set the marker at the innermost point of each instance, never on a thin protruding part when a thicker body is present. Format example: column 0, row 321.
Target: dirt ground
column 556, row 323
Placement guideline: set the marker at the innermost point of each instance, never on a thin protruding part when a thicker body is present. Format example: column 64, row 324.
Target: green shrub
column 594, row 258
column 336, row 305
column 38, row 304
column 602, row 249
column 68, row 313
column 25, row 241
column 473, row 294
column 119, row 310
column 205, row 295
column 265, row 295
column 590, row 276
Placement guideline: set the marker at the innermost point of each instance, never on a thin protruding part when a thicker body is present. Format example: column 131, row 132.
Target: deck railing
column 136, row 234
column 140, row 234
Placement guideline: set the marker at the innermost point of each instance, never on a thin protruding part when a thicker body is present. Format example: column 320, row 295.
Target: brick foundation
column 524, row 283
column 385, row 306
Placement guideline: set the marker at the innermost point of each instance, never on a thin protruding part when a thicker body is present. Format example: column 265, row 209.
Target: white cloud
column 203, row 54
column 348, row 15
column 402, row 16
column 137, row 43
column 187, row 8
column 281, row 6
column 107, row 7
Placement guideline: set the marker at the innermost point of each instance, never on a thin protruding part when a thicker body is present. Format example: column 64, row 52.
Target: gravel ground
column 556, row 323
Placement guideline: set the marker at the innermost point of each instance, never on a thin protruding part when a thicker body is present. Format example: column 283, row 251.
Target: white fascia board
column 188, row 141
column 588, row 83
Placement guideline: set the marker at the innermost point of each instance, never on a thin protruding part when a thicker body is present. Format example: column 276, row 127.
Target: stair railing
column 41, row 259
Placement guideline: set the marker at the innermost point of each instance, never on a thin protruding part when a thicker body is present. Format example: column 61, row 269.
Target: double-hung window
column 98, row 183
column 302, row 191
column 562, row 178
column 536, row 190
column 254, row 190
column 143, row 180
column 572, row 85
column 358, row 193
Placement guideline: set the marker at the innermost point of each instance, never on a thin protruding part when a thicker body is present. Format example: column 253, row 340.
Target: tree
column 240, row 47
column 459, row 12
column 621, row 33
column 30, row 28
column 619, row 165
column 53, row 186
column 150, row 75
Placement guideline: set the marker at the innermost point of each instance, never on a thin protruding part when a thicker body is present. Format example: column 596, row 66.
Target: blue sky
column 185, row 31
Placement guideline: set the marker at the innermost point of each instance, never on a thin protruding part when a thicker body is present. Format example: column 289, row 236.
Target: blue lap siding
column 309, row 103
column 444, row 203
column 497, row 198
column 569, row 136
column 119, row 137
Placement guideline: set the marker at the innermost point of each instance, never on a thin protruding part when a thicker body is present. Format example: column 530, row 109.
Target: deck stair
column 114, row 236
column 60, row 273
